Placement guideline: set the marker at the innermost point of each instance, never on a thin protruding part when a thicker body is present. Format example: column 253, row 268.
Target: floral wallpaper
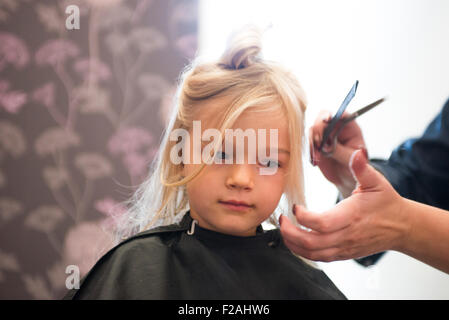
column 81, row 114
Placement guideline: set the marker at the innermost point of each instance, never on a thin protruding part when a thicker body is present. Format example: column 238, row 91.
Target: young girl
column 194, row 230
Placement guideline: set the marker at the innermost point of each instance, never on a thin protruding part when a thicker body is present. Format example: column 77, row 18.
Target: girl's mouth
column 236, row 207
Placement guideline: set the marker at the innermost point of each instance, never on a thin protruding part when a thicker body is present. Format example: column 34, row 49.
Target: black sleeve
column 419, row 168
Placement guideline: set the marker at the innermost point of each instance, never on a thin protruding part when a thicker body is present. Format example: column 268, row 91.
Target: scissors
column 336, row 124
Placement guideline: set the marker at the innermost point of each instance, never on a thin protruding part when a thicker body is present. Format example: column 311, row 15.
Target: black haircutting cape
column 167, row 263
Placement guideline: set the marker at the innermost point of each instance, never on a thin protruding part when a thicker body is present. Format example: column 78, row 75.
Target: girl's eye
column 271, row 164
column 220, row 155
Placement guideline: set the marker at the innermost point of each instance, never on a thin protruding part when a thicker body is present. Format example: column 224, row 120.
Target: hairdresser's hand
column 371, row 220
column 336, row 167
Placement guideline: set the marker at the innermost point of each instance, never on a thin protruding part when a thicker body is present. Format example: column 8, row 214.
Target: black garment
column 167, row 263
column 419, row 168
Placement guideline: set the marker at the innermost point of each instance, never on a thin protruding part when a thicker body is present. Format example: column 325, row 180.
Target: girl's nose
column 240, row 177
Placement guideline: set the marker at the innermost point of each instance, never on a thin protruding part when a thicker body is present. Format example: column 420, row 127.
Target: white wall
column 398, row 48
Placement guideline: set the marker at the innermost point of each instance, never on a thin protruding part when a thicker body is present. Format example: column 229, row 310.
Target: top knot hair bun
column 243, row 48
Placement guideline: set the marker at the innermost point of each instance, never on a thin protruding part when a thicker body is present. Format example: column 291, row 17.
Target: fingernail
column 365, row 153
column 312, row 154
column 312, row 160
column 315, row 158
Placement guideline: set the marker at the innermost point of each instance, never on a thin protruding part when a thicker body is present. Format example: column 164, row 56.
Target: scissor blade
column 367, row 108
column 338, row 115
column 345, row 103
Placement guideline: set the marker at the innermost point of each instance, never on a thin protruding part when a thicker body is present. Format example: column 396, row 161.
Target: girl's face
column 218, row 183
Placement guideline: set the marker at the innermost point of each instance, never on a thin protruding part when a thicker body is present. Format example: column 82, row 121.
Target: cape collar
column 272, row 237
column 184, row 225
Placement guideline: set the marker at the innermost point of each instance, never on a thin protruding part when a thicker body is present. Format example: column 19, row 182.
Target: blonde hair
column 247, row 82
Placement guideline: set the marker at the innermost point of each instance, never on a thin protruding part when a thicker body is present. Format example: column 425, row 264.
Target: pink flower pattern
column 45, row 218
column 51, row 17
column 54, row 139
column 9, row 209
column 93, row 165
column 84, row 244
column 112, row 210
column 92, row 68
column 11, row 101
column 56, row 51
column 109, row 207
column 12, row 139
column 45, row 94
column 13, row 51
column 129, row 140
column 55, row 177
column 135, row 145
column 78, row 108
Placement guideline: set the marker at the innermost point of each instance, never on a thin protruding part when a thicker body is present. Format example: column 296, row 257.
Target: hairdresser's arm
column 419, row 168
column 374, row 218
column 428, row 241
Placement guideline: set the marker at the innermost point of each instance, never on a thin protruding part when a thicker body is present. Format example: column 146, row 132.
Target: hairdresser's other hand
column 371, row 220
column 336, row 167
